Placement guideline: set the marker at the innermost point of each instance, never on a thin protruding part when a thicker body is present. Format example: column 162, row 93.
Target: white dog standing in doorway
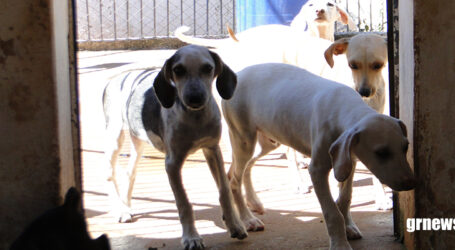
column 320, row 118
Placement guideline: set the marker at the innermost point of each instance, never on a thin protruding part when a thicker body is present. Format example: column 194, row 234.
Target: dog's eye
column 206, row 69
column 179, row 70
column 377, row 66
column 353, row 66
column 330, row 4
column 311, row 5
column 383, row 153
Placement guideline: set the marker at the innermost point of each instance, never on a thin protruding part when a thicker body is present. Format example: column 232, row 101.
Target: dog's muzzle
column 365, row 92
column 195, row 100
column 404, row 183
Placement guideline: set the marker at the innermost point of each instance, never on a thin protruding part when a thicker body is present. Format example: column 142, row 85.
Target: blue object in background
column 252, row 13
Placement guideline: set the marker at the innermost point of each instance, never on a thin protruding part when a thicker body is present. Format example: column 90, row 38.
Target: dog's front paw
column 192, row 243
column 344, row 245
column 255, row 206
column 253, row 224
column 238, row 232
column 353, row 232
column 384, row 203
column 237, row 229
column 303, row 189
column 122, row 215
column 125, row 217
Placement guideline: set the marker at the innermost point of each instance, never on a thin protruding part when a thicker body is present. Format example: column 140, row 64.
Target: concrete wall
column 37, row 163
column 434, row 36
column 38, row 114
column 427, row 101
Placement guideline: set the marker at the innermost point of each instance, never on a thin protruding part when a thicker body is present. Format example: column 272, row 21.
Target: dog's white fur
column 264, row 44
column 318, row 18
column 322, row 119
column 366, row 55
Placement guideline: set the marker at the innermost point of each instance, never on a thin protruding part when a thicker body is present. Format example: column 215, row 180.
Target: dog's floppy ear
column 338, row 47
column 340, row 152
column 226, row 80
column 403, row 128
column 72, row 199
column 164, row 90
column 346, row 19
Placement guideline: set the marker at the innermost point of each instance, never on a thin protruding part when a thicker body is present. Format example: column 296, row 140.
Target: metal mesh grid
column 107, row 20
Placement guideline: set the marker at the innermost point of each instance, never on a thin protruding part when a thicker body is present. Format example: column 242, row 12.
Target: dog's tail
column 212, row 43
column 231, row 33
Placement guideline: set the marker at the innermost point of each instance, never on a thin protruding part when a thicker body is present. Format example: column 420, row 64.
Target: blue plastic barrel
column 252, row 13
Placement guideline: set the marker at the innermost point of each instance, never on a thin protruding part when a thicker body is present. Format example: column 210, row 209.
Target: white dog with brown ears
column 319, row 17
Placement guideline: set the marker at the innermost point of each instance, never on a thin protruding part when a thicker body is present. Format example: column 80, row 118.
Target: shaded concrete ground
column 292, row 220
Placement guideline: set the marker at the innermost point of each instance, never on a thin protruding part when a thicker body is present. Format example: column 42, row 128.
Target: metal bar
column 127, row 20
column 115, row 21
column 142, row 21
column 347, row 10
column 154, row 18
column 207, row 17
column 371, row 15
column 234, row 21
column 88, row 20
column 358, row 12
column 194, row 17
column 167, row 17
column 101, row 20
column 393, row 104
column 221, row 16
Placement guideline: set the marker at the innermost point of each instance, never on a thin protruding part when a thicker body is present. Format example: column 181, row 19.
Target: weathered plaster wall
column 427, row 101
column 36, row 166
column 434, row 33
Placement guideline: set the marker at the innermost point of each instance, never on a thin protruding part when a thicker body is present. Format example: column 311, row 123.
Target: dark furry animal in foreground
column 61, row 228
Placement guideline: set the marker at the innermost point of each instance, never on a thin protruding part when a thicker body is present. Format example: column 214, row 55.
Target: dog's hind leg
column 253, row 201
column 242, row 152
column 230, row 216
column 135, row 155
column 344, row 203
column 115, row 136
column 295, row 173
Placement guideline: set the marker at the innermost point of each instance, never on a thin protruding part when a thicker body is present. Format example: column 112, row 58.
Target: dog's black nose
column 365, row 92
column 195, row 100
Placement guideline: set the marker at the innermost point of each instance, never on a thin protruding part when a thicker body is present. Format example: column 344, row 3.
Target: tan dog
column 322, row 119
column 367, row 57
column 319, row 17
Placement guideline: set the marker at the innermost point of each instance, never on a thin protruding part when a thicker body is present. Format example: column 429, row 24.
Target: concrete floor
column 292, row 220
